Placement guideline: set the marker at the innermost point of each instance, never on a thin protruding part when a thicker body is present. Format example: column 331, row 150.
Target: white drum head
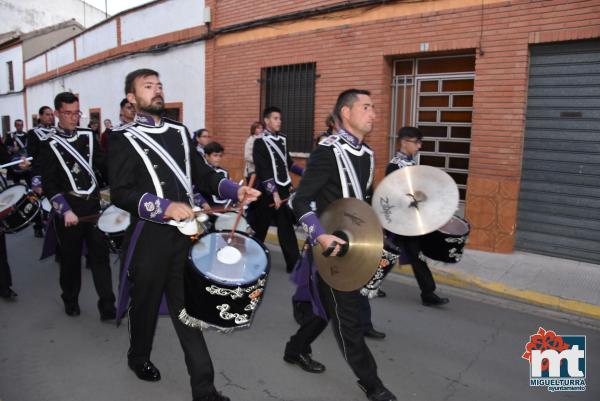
column 46, row 205
column 226, row 221
column 11, row 195
column 113, row 220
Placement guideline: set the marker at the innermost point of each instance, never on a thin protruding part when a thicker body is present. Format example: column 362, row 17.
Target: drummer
column 6, row 292
column 326, row 179
column 213, row 154
column 411, row 140
column 151, row 177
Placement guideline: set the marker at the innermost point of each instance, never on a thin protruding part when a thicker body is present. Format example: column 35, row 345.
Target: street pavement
column 469, row 350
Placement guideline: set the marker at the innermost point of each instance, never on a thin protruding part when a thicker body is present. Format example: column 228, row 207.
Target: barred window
column 292, row 89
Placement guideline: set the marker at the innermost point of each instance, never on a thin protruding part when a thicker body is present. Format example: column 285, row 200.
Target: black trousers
column 344, row 311
column 71, row 241
column 422, row 273
column 5, row 277
column 312, row 326
column 157, row 267
column 260, row 220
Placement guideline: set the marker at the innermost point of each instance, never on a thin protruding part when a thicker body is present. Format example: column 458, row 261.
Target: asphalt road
column 469, row 350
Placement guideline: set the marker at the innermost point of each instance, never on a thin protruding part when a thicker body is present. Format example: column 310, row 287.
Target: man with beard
column 154, row 172
column 67, row 161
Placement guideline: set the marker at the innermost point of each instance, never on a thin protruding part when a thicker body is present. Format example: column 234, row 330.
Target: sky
column 115, row 6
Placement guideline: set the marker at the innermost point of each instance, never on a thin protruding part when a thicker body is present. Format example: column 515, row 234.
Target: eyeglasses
column 77, row 113
column 415, row 141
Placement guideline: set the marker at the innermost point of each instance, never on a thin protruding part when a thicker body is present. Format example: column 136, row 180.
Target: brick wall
column 359, row 54
column 230, row 12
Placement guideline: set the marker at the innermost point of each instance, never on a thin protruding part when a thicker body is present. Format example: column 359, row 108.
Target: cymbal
column 352, row 220
column 415, row 200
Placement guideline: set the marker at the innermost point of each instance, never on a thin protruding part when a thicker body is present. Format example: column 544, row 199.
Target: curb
column 466, row 281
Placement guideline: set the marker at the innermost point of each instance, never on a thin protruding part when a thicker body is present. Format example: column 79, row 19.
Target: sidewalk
column 559, row 284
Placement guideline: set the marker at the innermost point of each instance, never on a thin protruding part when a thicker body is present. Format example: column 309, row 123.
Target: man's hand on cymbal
column 326, row 240
column 179, row 211
column 250, row 193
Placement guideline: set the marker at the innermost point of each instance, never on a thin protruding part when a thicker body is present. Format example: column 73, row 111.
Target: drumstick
column 239, row 213
column 282, row 202
column 15, row 162
column 90, row 217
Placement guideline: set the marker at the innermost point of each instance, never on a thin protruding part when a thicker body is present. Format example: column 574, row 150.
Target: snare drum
column 113, row 222
column 447, row 243
column 225, row 222
column 18, row 207
column 224, row 284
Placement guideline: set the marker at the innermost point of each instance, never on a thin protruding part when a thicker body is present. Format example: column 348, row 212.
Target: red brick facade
column 355, row 49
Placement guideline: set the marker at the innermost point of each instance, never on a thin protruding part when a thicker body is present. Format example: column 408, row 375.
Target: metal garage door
column 559, row 203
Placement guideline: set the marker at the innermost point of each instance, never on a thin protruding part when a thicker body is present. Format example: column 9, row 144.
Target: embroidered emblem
column 149, row 206
column 157, row 209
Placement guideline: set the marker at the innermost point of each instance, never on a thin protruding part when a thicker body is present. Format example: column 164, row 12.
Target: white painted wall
column 35, row 66
column 181, row 71
column 14, row 54
column 97, row 40
column 29, row 15
column 162, row 18
column 12, row 105
column 61, row 55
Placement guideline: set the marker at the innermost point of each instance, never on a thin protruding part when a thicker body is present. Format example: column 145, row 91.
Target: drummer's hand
column 325, row 240
column 71, row 219
column 24, row 163
column 179, row 211
column 277, row 200
column 37, row 190
column 250, row 193
column 205, row 206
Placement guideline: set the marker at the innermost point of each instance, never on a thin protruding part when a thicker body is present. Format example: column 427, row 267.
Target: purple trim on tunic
column 199, row 199
column 296, row 169
column 305, row 277
column 228, row 190
column 124, row 283
column 311, row 224
column 151, row 207
column 60, row 204
column 50, row 239
column 36, row 181
column 269, row 185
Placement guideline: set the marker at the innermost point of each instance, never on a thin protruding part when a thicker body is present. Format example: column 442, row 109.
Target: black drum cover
column 446, row 244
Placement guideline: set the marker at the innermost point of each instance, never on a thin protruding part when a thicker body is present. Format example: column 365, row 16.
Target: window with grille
column 292, row 89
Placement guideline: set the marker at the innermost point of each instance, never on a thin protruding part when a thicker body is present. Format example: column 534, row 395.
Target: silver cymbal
column 415, row 200
column 355, row 220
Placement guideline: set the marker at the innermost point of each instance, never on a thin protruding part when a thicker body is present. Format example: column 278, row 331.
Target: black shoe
column 433, row 300
column 305, row 362
column 377, row 393
column 8, row 294
column 372, row 333
column 38, row 233
column 215, row 396
column 72, row 310
column 145, row 371
column 110, row 314
column 381, row 293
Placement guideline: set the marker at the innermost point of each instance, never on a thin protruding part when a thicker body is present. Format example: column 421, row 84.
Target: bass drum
column 446, row 244
column 18, row 207
column 224, row 283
